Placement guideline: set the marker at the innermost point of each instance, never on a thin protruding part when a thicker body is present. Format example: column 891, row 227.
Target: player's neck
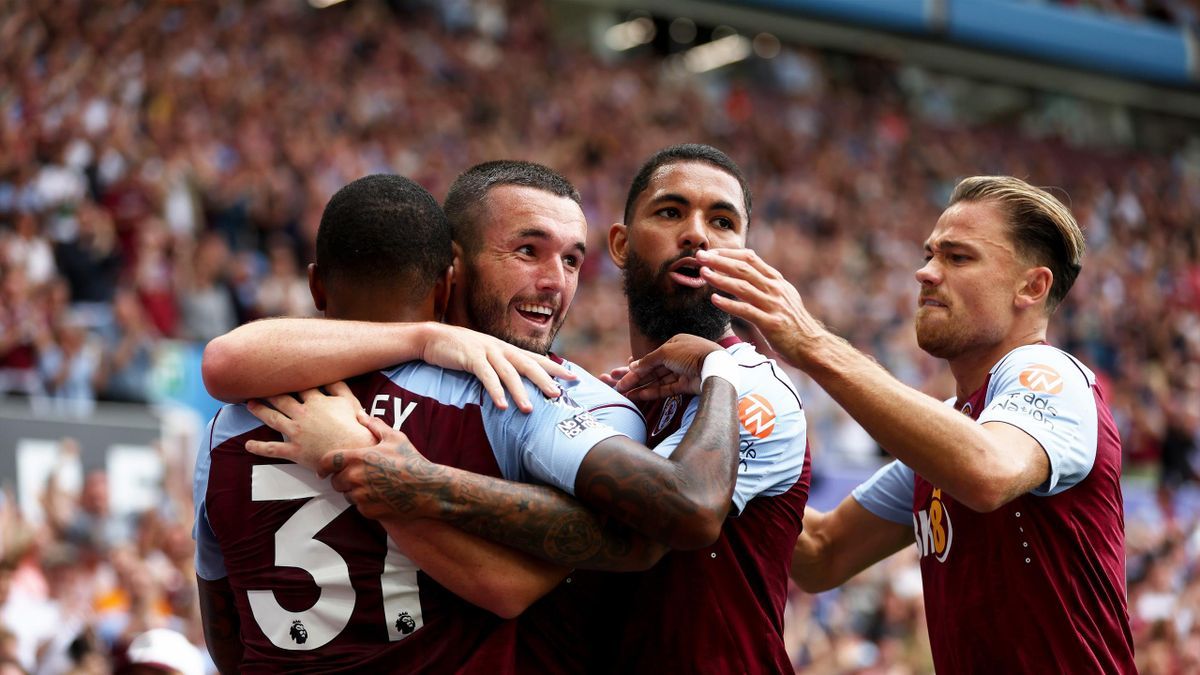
column 641, row 345
column 971, row 369
column 370, row 308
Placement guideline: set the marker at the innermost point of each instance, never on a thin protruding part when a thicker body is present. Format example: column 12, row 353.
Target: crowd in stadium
column 165, row 166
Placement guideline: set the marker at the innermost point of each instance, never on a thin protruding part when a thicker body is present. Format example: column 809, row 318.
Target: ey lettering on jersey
column 318, row 587
column 720, row 609
column 1039, row 584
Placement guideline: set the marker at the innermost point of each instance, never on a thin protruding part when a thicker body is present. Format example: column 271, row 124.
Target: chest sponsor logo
column 1042, row 379
column 934, row 531
column 670, row 407
column 757, row 415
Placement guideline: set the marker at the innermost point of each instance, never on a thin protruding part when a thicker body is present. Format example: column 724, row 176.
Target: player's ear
column 441, row 293
column 316, row 287
column 1035, row 287
column 618, row 242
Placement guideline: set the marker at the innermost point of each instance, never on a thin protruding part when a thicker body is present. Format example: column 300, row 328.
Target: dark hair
column 384, row 230
column 687, row 152
column 1041, row 227
column 467, row 197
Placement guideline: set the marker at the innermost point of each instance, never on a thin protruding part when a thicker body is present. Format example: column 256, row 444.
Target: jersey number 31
column 296, row 546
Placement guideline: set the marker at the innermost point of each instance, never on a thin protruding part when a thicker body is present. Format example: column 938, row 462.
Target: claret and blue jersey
column 312, row 575
column 1040, row 580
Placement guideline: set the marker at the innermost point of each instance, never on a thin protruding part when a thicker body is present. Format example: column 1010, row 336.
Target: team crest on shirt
column 670, row 407
column 935, row 532
column 967, row 409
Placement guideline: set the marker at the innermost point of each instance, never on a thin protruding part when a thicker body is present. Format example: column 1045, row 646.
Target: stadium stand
column 163, row 166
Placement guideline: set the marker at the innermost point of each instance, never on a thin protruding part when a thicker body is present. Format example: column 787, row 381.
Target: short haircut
column 687, row 152
column 467, row 199
column 1042, row 229
column 384, row 231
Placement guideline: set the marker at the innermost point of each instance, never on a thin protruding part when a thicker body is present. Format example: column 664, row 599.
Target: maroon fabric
column 718, row 609
column 453, row 629
column 1037, row 585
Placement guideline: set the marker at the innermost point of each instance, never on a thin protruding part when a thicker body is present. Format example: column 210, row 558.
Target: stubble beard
column 489, row 314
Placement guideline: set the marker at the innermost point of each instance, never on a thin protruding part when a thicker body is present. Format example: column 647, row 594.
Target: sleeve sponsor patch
column 581, row 422
column 757, row 415
column 1042, row 379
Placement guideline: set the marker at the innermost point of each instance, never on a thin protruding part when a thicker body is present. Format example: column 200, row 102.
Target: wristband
column 721, row 364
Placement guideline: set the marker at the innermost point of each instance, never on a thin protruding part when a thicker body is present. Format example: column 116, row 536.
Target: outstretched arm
column 983, row 466
column 837, row 545
column 270, row 356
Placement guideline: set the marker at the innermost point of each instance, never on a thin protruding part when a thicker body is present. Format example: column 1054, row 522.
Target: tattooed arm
column 393, row 483
column 681, row 502
column 222, row 628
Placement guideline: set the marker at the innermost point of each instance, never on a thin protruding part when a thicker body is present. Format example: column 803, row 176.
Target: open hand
column 498, row 365
column 312, row 425
column 673, row 368
column 762, row 297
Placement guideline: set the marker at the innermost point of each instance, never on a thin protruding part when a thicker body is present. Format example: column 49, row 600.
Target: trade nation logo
column 757, row 415
column 1042, row 379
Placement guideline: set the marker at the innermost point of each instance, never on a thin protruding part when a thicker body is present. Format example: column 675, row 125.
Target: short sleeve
column 546, row 445
column 772, row 430
column 210, row 562
column 1047, row 394
column 889, row 493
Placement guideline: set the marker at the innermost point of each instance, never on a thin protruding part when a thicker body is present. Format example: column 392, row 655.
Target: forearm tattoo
column 538, row 520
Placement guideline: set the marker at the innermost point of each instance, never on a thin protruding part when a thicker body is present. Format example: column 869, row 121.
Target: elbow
column 647, row 557
column 813, row 585
column 983, row 499
column 217, row 368
column 700, row 529
column 987, row 491
column 505, row 599
column 508, row 608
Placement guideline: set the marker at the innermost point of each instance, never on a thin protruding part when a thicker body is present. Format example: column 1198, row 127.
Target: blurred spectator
column 284, row 291
column 128, row 351
column 69, row 366
column 165, row 151
column 92, row 524
column 206, row 306
column 91, row 263
column 162, row 651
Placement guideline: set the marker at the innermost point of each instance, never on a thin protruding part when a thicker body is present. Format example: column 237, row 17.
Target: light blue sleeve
column 1047, row 394
column 889, row 493
column 547, row 445
column 210, row 563
column 605, row 403
column 772, row 430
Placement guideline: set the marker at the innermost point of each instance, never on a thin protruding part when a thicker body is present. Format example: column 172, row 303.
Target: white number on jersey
column 296, row 546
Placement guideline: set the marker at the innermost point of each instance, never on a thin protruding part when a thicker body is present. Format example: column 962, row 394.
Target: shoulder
column 1042, row 367
column 451, row 387
column 231, row 421
column 764, row 382
column 588, row 392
